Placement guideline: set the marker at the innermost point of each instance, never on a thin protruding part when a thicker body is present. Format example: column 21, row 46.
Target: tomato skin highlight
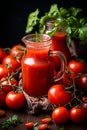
column 82, row 82
column 17, row 50
column 76, row 66
column 58, row 96
column 4, row 71
column 60, row 115
column 12, row 62
column 78, row 115
column 46, row 120
column 29, row 125
column 15, row 100
column 42, row 126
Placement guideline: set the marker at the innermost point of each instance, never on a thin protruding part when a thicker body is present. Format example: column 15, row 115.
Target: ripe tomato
column 2, row 98
column 3, row 54
column 58, row 96
column 17, row 50
column 29, row 125
column 78, row 115
column 60, row 115
column 15, row 100
column 76, row 66
column 46, row 120
column 42, row 126
column 12, row 62
column 4, row 71
column 82, row 82
column 8, row 84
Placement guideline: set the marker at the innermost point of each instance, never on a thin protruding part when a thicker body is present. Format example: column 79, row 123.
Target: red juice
column 37, row 66
column 59, row 43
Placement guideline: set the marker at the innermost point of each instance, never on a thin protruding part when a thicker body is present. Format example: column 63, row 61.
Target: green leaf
column 11, row 121
column 69, row 30
column 75, row 11
column 83, row 33
column 32, row 21
column 53, row 10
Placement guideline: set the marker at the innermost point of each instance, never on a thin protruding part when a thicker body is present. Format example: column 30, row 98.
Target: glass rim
column 40, row 40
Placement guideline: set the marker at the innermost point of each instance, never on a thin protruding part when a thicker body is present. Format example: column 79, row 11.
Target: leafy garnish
column 11, row 121
column 32, row 21
column 72, row 19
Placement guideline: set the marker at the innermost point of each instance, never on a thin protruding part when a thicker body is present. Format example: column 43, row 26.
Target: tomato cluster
column 10, row 65
column 69, row 96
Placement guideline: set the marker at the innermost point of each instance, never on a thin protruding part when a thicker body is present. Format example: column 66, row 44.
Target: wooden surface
column 37, row 118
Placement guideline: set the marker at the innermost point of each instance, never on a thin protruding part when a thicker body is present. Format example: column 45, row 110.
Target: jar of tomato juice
column 38, row 65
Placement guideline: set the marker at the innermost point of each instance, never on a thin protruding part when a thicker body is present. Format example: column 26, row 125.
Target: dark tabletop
column 37, row 118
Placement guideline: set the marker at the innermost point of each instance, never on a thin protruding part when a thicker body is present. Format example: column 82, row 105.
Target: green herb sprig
column 72, row 18
column 11, row 121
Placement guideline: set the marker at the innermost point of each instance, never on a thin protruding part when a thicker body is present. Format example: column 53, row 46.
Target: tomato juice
column 37, row 66
column 59, row 43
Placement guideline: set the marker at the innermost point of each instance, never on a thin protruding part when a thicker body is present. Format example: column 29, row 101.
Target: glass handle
column 63, row 60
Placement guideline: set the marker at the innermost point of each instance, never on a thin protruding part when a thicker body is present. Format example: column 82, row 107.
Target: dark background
column 14, row 13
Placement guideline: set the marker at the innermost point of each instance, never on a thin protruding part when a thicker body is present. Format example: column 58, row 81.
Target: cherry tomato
column 84, row 99
column 78, row 115
column 2, row 112
column 8, row 84
column 3, row 54
column 4, row 71
column 29, row 125
column 17, row 50
column 42, row 126
column 2, row 98
column 15, row 100
column 60, row 115
column 82, row 82
column 76, row 66
column 84, row 103
column 58, row 96
column 46, row 120
column 12, row 62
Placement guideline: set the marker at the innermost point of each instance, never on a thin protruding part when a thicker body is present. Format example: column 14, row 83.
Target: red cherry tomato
column 12, row 62
column 3, row 54
column 8, row 84
column 4, row 71
column 15, row 100
column 17, row 50
column 82, row 82
column 42, row 126
column 58, row 96
column 29, row 125
column 46, row 120
column 60, row 115
column 2, row 98
column 78, row 115
column 76, row 66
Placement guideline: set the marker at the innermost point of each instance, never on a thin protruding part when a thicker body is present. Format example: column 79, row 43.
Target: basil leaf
column 32, row 21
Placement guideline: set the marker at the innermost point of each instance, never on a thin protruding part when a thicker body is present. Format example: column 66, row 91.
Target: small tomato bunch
column 69, row 97
column 10, row 66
